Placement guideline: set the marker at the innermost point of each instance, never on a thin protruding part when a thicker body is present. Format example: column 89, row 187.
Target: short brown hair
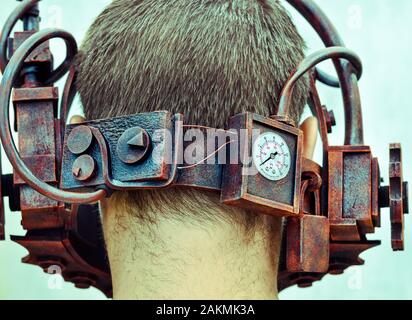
column 206, row 59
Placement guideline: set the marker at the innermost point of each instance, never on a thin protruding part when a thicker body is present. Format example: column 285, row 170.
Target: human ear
column 77, row 119
column 310, row 135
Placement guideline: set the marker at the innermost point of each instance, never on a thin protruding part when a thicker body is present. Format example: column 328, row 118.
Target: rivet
column 83, row 167
column 133, row 145
column 330, row 118
column 80, row 139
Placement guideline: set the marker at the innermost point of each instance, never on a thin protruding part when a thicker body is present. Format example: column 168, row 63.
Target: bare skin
column 182, row 258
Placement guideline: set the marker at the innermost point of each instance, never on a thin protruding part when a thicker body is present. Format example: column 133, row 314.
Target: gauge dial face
column 271, row 156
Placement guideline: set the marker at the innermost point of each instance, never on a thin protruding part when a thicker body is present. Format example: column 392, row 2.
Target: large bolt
column 133, row 145
column 84, row 167
column 330, row 118
column 80, row 139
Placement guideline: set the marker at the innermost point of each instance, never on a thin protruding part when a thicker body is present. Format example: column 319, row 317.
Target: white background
column 379, row 31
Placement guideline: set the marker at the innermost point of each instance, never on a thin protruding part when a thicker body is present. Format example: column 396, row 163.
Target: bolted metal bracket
column 135, row 151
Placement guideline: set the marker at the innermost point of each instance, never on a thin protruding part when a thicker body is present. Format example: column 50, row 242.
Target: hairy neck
column 178, row 257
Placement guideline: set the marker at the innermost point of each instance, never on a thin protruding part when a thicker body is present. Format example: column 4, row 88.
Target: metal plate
column 253, row 191
column 153, row 169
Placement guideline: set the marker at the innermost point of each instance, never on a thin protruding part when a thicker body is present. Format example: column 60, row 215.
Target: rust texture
column 27, row 11
column 61, row 170
column 351, row 199
column 133, row 145
column 77, row 250
column 347, row 81
column 114, row 146
column 11, row 75
column 58, row 236
column 79, row 140
column 398, row 198
column 309, row 63
column 254, row 191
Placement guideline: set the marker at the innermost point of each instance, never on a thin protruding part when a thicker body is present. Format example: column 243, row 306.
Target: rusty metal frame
column 317, row 239
column 10, row 76
column 235, row 184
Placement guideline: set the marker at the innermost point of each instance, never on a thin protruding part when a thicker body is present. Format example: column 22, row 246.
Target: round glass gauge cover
column 271, row 156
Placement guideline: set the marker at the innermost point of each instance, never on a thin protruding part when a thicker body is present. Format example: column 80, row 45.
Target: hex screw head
column 79, row 139
column 133, row 145
column 83, row 167
column 330, row 118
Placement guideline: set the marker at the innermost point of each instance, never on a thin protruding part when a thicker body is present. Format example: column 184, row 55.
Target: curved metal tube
column 310, row 62
column 348, row 82
column 69, row 93
column 10, row 76
column 11, row 21
column 327, row 79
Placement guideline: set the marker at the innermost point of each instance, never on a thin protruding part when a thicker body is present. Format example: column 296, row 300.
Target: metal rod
column 348, row 81
column 18, row 13
column 307, row 64
column 327, row 79
column 10, row 76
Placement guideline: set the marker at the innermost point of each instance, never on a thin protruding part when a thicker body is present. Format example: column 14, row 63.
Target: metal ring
column 327, row 79
column 10, row 76
column 310, row 62
column 349, row 86
column 11, row 21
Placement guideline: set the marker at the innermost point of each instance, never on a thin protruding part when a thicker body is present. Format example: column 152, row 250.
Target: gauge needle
column 272, row 156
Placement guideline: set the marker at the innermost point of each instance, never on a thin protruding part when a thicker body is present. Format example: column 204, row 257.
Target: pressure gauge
column 271, row 156
column 267, row 177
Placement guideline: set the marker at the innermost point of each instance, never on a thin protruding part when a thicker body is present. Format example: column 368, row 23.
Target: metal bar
column 307, row 64
column 17, row 14
column 348, row 82
column 10, row 76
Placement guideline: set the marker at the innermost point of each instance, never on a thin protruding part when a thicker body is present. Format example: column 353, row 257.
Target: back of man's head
column 206, row 59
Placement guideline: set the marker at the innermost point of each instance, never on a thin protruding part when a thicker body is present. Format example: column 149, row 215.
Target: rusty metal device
column 60, row 170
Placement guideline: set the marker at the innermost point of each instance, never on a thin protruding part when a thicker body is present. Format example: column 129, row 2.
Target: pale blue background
column 379, row 31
